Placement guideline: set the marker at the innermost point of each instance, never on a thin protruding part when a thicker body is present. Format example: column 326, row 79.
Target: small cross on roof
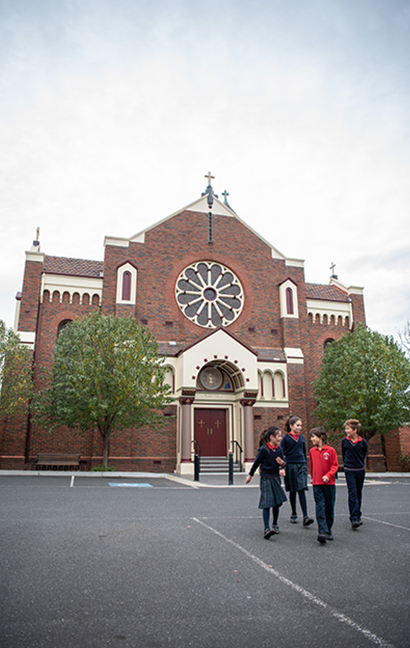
column 210, row 177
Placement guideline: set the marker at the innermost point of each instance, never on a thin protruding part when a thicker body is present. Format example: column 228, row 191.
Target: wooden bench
column 57, row 460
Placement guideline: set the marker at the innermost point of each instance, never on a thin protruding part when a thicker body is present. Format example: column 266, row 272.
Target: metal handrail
column 197, row 460
column 237, row 447
column 197, row 444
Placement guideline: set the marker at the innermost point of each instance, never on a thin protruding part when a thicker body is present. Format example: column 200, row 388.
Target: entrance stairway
column 218, row 465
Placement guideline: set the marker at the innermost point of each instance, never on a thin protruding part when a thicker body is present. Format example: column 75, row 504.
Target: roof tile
column 329, row 293
column 73, row 267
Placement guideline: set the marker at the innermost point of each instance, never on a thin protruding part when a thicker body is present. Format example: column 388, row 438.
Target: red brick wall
column 168, row 249
column 397, row 444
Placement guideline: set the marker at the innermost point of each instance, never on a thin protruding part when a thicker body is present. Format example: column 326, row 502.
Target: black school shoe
column 322, row 538
column 268, row 533
column 307, row 521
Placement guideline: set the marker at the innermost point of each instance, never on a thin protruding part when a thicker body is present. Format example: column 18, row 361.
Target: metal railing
column 197, row 460
column 238, row 450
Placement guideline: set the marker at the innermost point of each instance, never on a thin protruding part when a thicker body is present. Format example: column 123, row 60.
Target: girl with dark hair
column 354, row 452
column 293, row 445
column 270, row 459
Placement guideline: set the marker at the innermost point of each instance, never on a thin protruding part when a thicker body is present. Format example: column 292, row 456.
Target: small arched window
column 63, row 325
column 327, row 343
column 289, row 301
column 126, row 286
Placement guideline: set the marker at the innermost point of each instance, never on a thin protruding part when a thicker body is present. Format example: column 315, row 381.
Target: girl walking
column 270, row 459
column 293, row 445
column 354, row 452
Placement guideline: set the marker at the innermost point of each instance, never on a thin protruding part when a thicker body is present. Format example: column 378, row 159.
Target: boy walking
column 323, row 468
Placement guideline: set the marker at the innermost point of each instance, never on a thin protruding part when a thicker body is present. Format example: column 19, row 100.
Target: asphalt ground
column 154, row 562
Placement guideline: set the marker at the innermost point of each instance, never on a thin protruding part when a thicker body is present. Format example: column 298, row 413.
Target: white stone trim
column 350, row 290
column 17, row 315
column 127, row 267
column 295, row 263
column 35, row 256
column 116, row 241
column 28, row 338
column 273, row 369
column 323, row 307
column 71, row 284
column 282, row 292
column 294, row 355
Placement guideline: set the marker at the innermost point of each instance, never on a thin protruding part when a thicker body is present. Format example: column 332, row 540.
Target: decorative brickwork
column 265, row 336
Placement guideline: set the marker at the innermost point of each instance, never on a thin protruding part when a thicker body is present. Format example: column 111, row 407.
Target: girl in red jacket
column 323, row 468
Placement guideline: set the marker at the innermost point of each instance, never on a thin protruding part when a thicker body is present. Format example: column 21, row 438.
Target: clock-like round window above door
column 209, row 294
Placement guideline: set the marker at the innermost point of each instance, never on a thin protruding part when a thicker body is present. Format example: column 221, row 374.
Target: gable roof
column 73, row 267
column 201, row 205
column 328, row 293
column 220, row 329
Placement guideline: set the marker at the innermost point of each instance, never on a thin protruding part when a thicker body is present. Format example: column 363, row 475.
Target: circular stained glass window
column 209, row 294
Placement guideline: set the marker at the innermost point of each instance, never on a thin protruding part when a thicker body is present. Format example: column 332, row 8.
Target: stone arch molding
column 126, row 272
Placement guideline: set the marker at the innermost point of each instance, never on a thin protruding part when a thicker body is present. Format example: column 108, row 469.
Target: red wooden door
column 210, row 431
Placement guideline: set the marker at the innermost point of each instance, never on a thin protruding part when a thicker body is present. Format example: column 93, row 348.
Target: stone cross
column 210, row 177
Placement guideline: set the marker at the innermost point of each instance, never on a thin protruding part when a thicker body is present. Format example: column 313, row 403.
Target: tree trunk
column 106, row 440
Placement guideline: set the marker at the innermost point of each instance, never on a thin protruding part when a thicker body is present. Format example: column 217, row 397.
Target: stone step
column 217, row 465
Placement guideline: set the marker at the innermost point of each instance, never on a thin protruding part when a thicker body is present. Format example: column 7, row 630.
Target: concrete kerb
column 208, row 480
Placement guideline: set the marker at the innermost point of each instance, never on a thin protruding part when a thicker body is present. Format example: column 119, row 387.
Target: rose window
column 209, row 294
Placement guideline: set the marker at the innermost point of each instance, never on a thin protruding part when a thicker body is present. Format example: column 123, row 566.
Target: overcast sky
column 112, row 111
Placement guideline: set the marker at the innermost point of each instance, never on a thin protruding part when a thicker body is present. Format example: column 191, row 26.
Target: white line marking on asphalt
column 72, row 481
column 366, row 517
column 308, row 595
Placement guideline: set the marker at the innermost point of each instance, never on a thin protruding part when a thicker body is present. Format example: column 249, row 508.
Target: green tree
column 15, row 373
column 405, row 337
column 364, row 375
column 107, row 375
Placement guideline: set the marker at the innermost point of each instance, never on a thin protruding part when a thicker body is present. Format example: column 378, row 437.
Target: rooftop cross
column 225, row 195
column 332, row 267
column 210, row 177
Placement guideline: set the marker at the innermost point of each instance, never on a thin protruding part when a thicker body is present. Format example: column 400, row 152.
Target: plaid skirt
column 296, row 477
column 272, row 493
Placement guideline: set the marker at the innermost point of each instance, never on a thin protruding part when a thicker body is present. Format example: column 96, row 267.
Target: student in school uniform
column 354, row 452
column 293, row 445
column 323, row 468
column 271, row 462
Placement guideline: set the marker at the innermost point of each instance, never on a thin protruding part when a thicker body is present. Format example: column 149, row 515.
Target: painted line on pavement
column 305, row 593
column 121, row 485
column 397, row 526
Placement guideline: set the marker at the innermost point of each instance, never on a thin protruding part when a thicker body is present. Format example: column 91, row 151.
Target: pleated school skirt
column 272, row 493
column 296, row 477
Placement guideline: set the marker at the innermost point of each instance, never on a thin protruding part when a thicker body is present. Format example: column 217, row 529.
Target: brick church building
column 242, row 331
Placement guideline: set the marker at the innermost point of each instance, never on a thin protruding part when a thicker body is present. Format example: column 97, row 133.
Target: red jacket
column 323, row 462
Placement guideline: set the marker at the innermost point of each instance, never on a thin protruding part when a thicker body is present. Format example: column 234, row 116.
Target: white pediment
column 222, row 346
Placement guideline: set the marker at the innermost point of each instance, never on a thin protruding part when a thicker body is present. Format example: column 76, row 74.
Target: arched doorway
column 217, row 379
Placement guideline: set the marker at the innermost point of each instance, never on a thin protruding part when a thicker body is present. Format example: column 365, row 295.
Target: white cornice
column 116, row 241
column 35, row 256
column 296, row 263
column 350, row 290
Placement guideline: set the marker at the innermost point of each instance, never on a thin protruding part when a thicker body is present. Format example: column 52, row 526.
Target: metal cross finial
column 210, row 177
column 37, row 233
column 225, row 195
column 332, row 267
